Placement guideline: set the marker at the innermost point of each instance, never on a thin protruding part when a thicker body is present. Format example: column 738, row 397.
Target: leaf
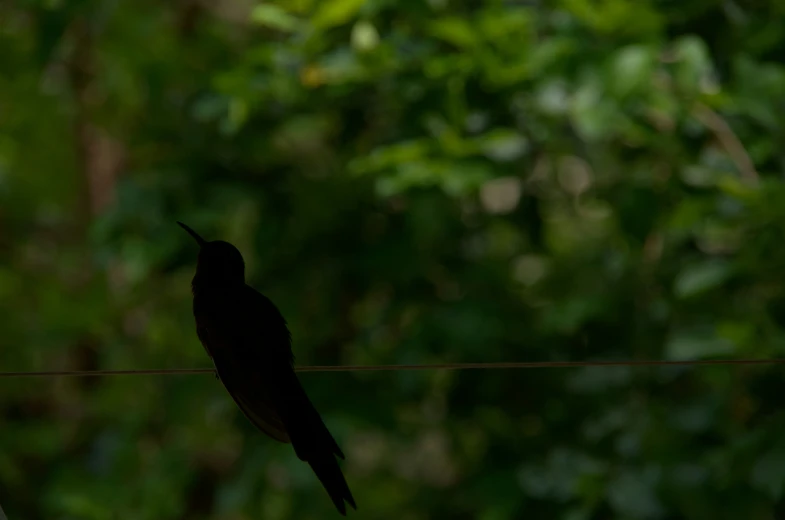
column 632, row 494
column 697, row 345
column 768, row 474
column 456, row 31
column 594, row 116
column 333, row 13
column 694, row 66
column 365, row 37
column 275, row 17
column 502, row 145
column 702, row 277
column 632, row 69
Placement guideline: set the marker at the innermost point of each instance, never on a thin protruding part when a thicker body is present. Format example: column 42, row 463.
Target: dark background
column 411, row 182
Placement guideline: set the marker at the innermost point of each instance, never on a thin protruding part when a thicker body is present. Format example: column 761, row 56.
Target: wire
column 434, row 366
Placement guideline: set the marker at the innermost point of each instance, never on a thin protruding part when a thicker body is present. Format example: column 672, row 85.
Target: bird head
column 218, row 261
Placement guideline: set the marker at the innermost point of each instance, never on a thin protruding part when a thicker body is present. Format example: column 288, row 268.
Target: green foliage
column 410, row 182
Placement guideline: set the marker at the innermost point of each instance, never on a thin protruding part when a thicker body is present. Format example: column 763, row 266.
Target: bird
column 249, row 342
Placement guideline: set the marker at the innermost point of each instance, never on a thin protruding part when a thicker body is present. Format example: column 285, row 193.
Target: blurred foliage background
column 411, row 182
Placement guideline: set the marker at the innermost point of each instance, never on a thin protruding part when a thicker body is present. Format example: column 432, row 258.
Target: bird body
column 249, row 342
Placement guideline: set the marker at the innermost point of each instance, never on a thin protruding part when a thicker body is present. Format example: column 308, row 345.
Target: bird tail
column 329, row 474
column 311, row 440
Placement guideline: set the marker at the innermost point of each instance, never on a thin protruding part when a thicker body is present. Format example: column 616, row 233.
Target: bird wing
column 255, row 363
column 250, row 396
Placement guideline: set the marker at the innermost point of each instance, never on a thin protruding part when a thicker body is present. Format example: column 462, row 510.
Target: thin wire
column 434, row 366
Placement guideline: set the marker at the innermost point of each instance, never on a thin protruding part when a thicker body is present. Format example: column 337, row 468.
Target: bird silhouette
column 249, row 342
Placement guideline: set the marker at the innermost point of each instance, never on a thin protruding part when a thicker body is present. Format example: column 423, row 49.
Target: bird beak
column 199, row 240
